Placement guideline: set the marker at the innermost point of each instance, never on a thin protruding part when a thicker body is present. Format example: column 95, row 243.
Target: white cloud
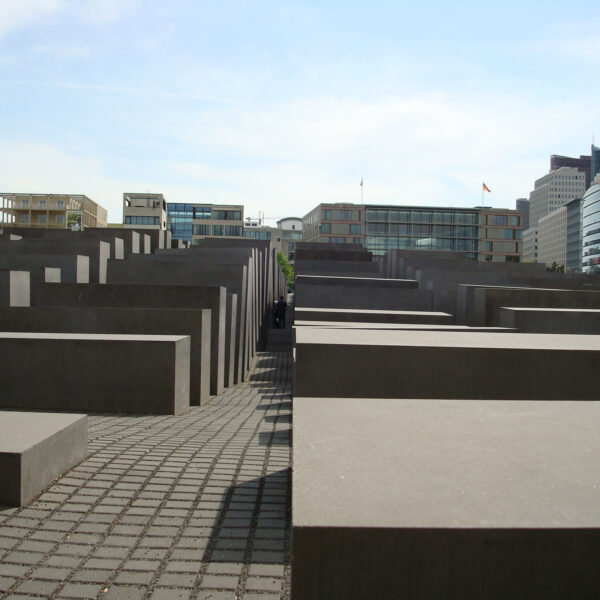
column 16, row 14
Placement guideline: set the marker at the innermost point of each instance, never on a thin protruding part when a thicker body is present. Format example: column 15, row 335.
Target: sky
column 281, row 105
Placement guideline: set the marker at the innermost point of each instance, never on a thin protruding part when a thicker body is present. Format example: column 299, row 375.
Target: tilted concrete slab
column 371, row 316
column 15, row 288
column 150, row 296
column 138, row 321
column 552, row 320
column 430, row 364
column 35, row 449
column 445, row 499
column 148, row 374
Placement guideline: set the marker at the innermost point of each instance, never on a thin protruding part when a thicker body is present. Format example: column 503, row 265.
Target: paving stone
column 269, row 584
column 158, row 495
column 40, row 588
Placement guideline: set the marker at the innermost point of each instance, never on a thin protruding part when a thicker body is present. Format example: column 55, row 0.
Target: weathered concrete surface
column 230, row 339
column 175, row 271
column 400, row 326
column 420, row 364
column 74, row 268
column 150, row 296
column 362, row 293
column 35, row 448
column 67, row 243
column 480, row 305
column 552, row 320
column 445, row 499
column 95, row 372
column 138, row 321
column 371, row 316
column 15, row 288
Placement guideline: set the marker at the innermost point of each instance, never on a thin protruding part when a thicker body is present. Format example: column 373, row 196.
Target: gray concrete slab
column 146, row 374
column 362, row 293
column 371, row 316
column 195, row 323
column 480, row 305
column 67, row 242
column 230, row 340
column 400, row 326
column 432, row 364
column 552, row 320
column 74, row 268
column 149, row 296
column 445, row 499
column 15, row 288
column 174, row 271
column 35, row 449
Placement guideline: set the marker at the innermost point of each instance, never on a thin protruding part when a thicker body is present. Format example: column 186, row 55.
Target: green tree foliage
column 287, row 269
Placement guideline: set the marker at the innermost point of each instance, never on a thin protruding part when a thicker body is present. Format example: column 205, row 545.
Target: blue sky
column 282, row 105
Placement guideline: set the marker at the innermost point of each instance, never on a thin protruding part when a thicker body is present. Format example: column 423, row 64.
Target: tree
column 287, row 269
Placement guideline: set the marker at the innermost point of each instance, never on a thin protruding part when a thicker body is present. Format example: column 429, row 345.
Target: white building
column 530, row 245
column 553, row 191
column 552, row 237
column 144, row 211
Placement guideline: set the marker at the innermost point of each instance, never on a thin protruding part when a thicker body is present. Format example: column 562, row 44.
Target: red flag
column 486, row 188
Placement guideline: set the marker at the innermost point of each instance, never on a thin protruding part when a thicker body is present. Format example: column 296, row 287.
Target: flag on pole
column 486, row 188
column 361, row 182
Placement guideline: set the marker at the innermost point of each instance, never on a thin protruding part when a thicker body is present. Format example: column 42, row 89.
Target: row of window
column 226, row 230
column 382, row 244
column 420, row 229
column 354, row 229
column 341, row 215
column 41, row 219
column 142, row 220
column 500, row 220
column 423, row 216
column 257, row 235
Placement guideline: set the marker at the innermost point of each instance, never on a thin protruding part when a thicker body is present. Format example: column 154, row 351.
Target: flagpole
column 362, row 187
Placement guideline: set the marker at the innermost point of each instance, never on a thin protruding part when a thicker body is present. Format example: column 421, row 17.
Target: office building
column 574, row 235
column 522, row 205
column 144, row 211
column 552, row 238
column 530, row 245
column 291, row 232
column 482, row 233
column 590, row 228
column 193, row 222
column 500, row 235
column 554, row 190
column 52, row 211
column 582, row 164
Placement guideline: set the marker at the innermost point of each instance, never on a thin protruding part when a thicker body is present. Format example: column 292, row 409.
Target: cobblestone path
column 189, row 507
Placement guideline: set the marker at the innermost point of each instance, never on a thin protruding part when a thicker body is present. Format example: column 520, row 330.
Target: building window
column 355, row 229
column 227, row 215
column 129, row 220
column 325, row 228
column 344, row 215
column 233, row 230
column 202, row 212
column 201, row 230
column 24, row 218
column 217, row 229
column 41, row 218
column 327, row 215
column 60, row 219
column 60, row 203
column 337, row 240
column 42, row 203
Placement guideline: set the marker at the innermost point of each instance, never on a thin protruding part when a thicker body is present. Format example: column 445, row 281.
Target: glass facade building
column 590, row 230
column 192, row 222
column 574, row 234
column 180, row 220
column 420, row 228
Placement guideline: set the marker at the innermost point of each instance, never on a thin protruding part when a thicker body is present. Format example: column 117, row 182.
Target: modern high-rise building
column 554, row 190
column 522, row 204
column 144, row 211
column 193, row 222
column 530, row 245
column 552, row 238
column 582, row 164
column 52, row 211
column 574, row 234
column 482, row 233
column 595, row 164
column 590, row 228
